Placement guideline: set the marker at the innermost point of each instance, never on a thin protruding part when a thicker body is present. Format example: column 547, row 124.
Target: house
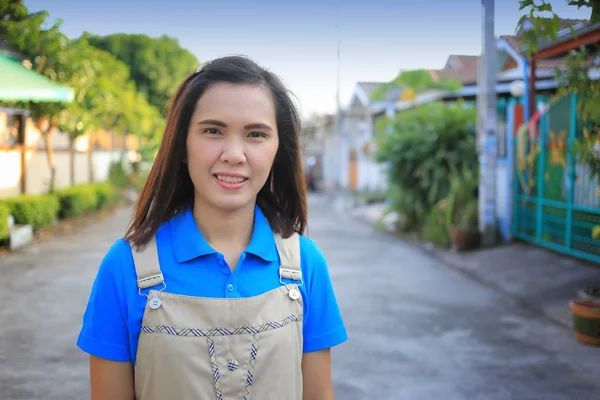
column 512, row 68
column 24, row 162
column 349, row 150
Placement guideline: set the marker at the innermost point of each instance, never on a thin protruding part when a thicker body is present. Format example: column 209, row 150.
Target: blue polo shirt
column 190, row 266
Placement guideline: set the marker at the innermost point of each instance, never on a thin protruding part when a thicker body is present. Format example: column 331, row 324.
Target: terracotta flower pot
column 586, row 321
column 464, row 238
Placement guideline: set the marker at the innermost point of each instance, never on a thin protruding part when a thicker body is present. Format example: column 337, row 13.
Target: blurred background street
column 450, row 148
column 418, row 328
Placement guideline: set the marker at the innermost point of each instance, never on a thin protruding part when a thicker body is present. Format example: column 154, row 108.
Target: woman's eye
column 212, row 131
column 257, row 134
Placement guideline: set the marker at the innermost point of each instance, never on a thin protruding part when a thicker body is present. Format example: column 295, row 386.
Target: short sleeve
column 323, row 324
column 104, row 332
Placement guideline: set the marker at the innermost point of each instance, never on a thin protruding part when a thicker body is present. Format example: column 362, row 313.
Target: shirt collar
column 188, row 243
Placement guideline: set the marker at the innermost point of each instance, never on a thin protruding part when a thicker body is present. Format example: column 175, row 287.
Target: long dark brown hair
column 169, row 188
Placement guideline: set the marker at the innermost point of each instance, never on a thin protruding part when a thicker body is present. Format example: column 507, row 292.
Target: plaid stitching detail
column 215, row 368
column 221, row 331
column 250, row 375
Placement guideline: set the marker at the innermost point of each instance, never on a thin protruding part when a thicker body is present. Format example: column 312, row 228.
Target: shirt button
column 230, row 287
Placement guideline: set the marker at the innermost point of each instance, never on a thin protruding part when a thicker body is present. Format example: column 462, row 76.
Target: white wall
column 38, row 172
column 10, row 173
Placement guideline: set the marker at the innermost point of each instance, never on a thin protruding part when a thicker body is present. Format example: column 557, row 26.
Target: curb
column 435, row 253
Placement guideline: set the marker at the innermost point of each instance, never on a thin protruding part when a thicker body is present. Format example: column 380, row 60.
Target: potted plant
column 586, row 321
column 462, row 210
column 586, row 310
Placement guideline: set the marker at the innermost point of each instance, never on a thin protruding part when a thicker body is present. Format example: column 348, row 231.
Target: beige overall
column 220, row 348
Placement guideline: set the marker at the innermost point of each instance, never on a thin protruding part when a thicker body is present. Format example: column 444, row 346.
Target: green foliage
column 106, row 96
column 39, row 211
column 13, row 11
column 586, row 149
column 4, row 214
column 423, row 148
column 139, row 180
column 461, row 203
column 77, row 200
column 546, row 22
column 575, row 78
column 434, row 227
column 107, row 195
column 158, row 65
column 117, row 175
column 44, row 46
column 416, row 80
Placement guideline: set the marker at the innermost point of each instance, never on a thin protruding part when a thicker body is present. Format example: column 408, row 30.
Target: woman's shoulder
column 311, row 256
column 121, row 250
column 118, row 255
column 310, row 249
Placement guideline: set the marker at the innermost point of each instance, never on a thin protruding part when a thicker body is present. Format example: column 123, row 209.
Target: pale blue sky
column 298, row 39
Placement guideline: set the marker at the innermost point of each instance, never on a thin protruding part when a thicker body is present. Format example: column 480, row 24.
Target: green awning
column 18, row 83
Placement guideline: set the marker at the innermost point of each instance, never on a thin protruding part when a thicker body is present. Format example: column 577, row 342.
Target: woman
column 213, row 293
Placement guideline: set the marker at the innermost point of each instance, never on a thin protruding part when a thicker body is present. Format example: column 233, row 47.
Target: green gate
column 555, row 202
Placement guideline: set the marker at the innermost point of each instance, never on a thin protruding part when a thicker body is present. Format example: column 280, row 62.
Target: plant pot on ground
column 462, row 210
column 464, row 233
column 586, row 321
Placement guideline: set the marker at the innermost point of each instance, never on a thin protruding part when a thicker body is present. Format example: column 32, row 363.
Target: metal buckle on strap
column 290, row 274
column 149, row 278
column 141, row 282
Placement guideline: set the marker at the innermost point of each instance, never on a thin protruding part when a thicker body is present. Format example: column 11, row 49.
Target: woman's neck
column 225, row 231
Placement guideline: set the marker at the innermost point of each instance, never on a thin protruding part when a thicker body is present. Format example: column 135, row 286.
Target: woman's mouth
column 230, row 182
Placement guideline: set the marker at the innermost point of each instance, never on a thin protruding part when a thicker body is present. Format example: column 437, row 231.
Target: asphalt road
column 418, row 330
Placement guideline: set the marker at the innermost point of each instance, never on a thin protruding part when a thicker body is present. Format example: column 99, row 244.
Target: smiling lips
column 230, row 181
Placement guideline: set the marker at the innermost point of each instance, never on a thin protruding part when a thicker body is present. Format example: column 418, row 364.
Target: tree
column 45, row 49
column 11, row 11
column 105, row 95
column 580, row 74
column 545, row 21
column 413, row 82
column 158, row 65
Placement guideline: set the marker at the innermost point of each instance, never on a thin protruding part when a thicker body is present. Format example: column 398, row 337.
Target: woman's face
column 231, row 145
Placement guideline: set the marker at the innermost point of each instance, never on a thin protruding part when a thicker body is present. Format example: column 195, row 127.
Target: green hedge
column 36, row 210
column 4, row 213
column 77, row 200
column 40, row 211
column 107, row 194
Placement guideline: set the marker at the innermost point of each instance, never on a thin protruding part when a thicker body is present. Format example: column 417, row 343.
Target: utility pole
column 487, row 126
column 338, row 122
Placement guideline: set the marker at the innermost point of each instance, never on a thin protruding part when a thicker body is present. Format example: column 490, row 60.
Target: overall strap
column 147, row 267
column 289, row 253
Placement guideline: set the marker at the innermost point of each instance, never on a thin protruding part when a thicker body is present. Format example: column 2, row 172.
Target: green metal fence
column 556, row 202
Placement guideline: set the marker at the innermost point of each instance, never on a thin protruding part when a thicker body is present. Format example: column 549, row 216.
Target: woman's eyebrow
column 213, row 122
column 222, row 124
column 258, row 126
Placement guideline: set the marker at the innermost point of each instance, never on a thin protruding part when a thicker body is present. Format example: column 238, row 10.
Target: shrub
column 4, row 213
column 434, row 227
column 107, row 195
column 36, row 210
column 422, row 147
column 77, row 200
column 117, row 175
column 462, row 210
